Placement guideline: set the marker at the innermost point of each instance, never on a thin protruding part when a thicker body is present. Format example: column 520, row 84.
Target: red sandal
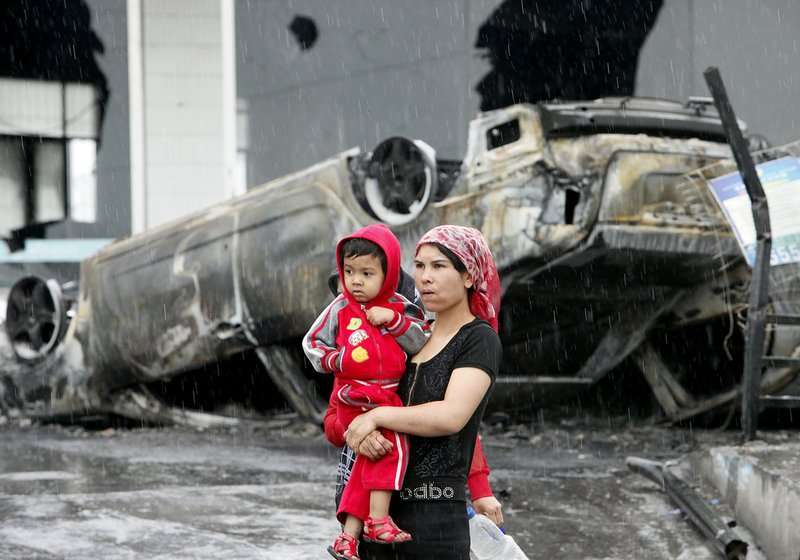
column 345, row 547
column 384, row 531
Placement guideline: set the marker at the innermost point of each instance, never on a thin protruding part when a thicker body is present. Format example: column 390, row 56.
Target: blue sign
column 780, row 179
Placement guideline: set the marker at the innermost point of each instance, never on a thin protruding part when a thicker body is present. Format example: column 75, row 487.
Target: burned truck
column 609, row 246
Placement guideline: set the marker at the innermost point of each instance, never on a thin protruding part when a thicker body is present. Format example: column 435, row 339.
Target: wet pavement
column 161, row 494
column 168, row 493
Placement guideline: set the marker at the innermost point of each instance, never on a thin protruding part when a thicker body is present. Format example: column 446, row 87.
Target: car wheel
column 35, row 317
column 401, row 179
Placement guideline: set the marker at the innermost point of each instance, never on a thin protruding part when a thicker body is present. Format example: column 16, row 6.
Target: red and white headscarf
column 470, row 247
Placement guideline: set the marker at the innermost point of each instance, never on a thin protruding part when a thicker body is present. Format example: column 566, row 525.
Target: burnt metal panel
column 286, row 245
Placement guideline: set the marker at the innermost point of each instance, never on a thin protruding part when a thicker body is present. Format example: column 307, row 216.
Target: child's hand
column 374, row 446
column 380, row 316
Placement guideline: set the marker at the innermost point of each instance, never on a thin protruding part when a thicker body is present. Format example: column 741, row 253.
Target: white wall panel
column 183, row 87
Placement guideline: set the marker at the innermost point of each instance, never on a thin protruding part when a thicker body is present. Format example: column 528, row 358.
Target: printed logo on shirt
column 358, row 337
column 430, row 491
column 360, row 355
column 354, row 324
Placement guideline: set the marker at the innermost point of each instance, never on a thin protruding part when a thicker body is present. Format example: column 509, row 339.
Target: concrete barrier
column 761, row 483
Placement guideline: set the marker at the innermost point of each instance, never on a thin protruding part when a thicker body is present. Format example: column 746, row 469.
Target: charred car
column 609, row 246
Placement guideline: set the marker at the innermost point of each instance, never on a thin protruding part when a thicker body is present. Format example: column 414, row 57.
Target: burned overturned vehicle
column 609, row 246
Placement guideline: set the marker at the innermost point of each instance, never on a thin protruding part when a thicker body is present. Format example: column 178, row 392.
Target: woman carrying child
column 445, row 390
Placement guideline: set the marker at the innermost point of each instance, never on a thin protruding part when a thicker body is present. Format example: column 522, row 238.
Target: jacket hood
column 383, row 237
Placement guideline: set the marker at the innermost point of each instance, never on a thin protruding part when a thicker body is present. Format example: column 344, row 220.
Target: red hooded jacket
column 342, row 341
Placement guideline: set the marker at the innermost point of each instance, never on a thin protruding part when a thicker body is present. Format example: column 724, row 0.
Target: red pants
column 385, row 473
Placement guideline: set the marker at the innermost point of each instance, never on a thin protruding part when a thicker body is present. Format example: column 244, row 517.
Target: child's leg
column 355, row 498
column 379, row 503
column 379, row 526
column 345, row 547
column 353, row 526
column 387, row 473
column 382, row 477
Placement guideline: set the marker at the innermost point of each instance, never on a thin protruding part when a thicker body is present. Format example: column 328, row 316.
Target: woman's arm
column 465, row 390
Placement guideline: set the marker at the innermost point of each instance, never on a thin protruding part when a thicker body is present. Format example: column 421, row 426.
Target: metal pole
column 725, row 541
column 759, row 287
column 136, row 115
column 65, row 150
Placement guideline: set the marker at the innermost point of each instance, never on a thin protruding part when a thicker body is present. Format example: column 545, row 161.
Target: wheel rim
column 34, row 317
column 402, row 176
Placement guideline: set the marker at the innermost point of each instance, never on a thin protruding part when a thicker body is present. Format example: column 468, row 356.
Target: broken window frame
column 32, row 184
column 503, row 134
column 51, row 113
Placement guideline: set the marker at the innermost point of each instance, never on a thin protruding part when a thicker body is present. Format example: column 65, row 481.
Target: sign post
column 759, row 286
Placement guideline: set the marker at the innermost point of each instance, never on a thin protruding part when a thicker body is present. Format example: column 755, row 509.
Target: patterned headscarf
column 470, row 247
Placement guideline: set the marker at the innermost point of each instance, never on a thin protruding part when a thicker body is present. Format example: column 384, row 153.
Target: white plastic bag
column 488, row 542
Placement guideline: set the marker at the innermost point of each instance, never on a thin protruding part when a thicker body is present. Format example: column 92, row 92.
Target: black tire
column 36, row 318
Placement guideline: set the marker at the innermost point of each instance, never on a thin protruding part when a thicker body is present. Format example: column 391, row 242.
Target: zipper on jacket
column 376, row 341
column 413, row 384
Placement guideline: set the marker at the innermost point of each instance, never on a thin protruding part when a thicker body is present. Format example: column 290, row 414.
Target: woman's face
column 440, row 285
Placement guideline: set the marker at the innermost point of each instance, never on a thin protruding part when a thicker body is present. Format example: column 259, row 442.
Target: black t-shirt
column 475, row 345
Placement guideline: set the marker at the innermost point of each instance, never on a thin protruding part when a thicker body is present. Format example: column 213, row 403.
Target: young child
column 362, row 338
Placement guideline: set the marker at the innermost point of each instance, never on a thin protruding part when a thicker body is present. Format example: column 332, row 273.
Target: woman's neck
column 450, row 320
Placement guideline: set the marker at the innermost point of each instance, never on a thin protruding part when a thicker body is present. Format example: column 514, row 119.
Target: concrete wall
column 754, row 44
column 182, row 110
column 377, row 69
column 380, row 68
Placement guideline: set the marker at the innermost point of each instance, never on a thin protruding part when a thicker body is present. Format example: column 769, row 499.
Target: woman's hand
column 374, row 446
column 359, row 429
column 490, row 507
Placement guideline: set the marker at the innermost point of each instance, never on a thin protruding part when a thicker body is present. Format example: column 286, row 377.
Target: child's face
column 363, row 277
